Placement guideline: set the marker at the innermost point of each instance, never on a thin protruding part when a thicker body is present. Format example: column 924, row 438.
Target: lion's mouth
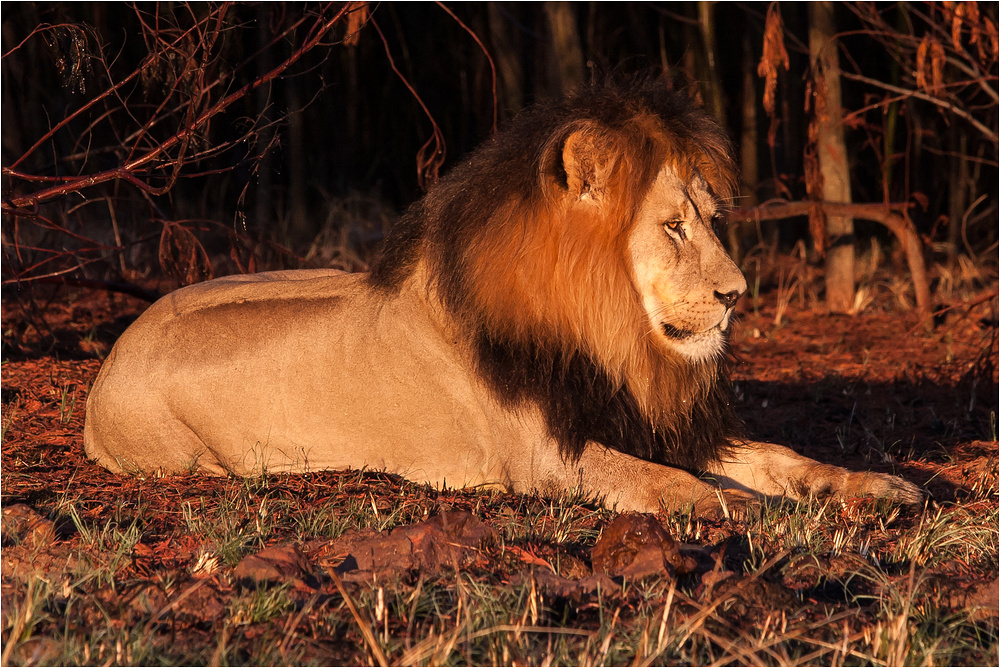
column 695, row 346
column 676, row 334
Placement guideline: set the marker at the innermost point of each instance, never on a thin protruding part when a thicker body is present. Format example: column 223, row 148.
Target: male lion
column 551, row 317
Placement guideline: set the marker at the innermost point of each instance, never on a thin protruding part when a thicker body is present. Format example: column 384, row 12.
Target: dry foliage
column 930, row 64
column 774, row 55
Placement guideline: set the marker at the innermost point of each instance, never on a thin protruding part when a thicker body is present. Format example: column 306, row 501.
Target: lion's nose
column 729, row 299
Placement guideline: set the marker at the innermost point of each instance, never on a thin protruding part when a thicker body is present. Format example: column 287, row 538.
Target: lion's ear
column 588, row 159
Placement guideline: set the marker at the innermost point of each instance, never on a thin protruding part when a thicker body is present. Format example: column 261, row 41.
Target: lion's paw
column 885, row 486
column 727, row 504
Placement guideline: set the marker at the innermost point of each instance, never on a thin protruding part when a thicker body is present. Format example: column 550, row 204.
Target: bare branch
column 427, row 167
column 493, row 67
column 893, row 216
column 127, row 171
column 986, row 132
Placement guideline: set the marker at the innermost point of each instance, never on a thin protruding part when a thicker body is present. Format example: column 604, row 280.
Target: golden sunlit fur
column 552, row 316
column 539, row 266
column 571, row 284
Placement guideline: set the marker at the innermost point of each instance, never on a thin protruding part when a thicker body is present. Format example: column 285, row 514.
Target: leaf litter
column 363, row 567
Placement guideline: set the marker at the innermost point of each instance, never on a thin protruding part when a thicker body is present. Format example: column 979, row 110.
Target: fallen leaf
column 274, row 564
column 528, row 557
column 447, row 540
column 637, row 546
column 23, row 524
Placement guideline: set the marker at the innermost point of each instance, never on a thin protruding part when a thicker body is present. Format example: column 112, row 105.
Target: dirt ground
column 874, row 391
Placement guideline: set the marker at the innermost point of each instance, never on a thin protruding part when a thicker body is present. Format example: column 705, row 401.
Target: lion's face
column 688, row 284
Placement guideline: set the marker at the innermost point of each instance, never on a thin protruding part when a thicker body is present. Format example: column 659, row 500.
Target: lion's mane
column 547, row 304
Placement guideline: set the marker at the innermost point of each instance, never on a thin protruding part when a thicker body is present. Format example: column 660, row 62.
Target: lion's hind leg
column 774, row 470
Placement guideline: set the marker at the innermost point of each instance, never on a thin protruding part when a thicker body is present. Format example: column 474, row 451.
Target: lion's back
column 202, row 342
column 292, row 372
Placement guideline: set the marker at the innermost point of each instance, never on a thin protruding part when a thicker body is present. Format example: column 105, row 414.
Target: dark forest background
column 155, row 142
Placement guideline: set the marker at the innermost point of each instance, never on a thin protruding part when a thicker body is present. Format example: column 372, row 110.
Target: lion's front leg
column 774, row 470
column 620, row 481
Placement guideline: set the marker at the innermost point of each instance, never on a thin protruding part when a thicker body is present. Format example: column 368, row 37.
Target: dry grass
column 140, row 571
column 810, row 583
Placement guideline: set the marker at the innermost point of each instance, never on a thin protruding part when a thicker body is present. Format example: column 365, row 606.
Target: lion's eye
column 676, row 226
column 719, row 223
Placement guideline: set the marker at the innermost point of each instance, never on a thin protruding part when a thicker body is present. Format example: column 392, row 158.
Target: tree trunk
column 749, row 176
column 507, row 54
column 832, row 155
column 958, row 190
column 893, row 216
column 710, row 81
column 297, row 210
column 564, row 63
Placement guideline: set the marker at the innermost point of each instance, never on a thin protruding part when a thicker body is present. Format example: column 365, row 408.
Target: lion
column 552, row 317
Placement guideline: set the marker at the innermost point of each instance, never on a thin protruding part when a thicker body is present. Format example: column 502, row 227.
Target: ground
column 364, row 568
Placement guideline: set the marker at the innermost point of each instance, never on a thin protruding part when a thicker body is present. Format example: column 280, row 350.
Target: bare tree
column 827, row 175
column 146, row 130
column 564, row 56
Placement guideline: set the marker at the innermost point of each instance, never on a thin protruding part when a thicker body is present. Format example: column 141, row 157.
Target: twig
column 290, row 632
column 967, row 307
column 493, row 68
column 427, row 169
column 989, row 134
column 691, row 625
column 172, row 605
column 892, row 215
column 366, row 630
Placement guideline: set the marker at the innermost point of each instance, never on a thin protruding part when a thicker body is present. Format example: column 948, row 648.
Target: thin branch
column 493, row 68
column 427, row 169
column 61, row 124
column 989, row 134
column 39, row 28
column 104, row 94
column 126, row 171
column 893, row 215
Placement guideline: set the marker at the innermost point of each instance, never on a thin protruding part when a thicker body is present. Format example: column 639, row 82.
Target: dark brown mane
column 551, row 315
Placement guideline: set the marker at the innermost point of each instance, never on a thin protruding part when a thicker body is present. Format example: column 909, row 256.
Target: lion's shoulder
column 525, row 246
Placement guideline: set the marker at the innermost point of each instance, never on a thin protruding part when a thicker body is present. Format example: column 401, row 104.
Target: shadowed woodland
column 185, row 141
column 148, row 146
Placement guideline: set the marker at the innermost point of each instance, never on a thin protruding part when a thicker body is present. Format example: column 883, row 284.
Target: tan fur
column 598, row 266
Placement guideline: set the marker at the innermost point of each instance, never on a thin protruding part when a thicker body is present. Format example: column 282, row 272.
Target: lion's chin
column 695, row 346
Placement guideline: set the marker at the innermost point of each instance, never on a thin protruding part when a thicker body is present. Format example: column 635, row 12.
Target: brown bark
column 564, row 62
column 831, row 153
column 507, row 55
column 749, row 174
column 710, row 81
column 958, row 190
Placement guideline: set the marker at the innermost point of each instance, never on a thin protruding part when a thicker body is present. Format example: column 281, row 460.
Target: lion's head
column 576, row 253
